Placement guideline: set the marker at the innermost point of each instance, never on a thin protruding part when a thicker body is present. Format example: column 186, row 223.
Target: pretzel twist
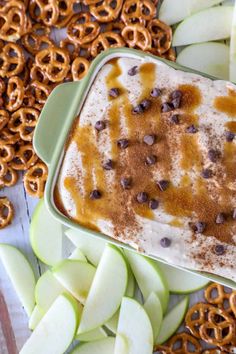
column 46, row 13
column 23, row 121
column 7, row 153
column 79, row 68
column 10, row 178
column 82, row 29
column 35, row 179
column 6, row 212
column 24, row 158
column 15, row 93
column 182, row 341
column 137, row 36
column 37, row 39
column 106, row 40
column 11, row 60
column 106, row 10
column 161, row 35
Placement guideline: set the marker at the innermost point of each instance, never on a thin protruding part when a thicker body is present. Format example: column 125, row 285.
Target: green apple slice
column 92, row 247
column 107, row 289
column 210, row 58
column 149, row 277
column 47, row 289
column 35, row 318
column 78, row 255
column 94, row 335
column 173, row 320
column 207, row 25
column 134, row 333
column 76, row 277
column 181, row 281
column 21, row 275
column 46, row 235
column 232, row 69
column 153, row 308
column 172, row 11
column 56, row 330
column 102, row 346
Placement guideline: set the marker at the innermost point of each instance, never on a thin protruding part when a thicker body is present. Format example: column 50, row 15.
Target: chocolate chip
column 176, row 94
column 220, row 218
column 199, row 227
column 100, row 125
column 155, row 92
column 176, row 102
column 219, row 250
column 95, row 194
column 149, row 139
column 163, row 185
column 191, row 129
column 206, row 173
column 165, row 242
column 142, row 197
column 153, row 204
column 229, row 136
column 151, row 160
column 175, row 119
column 133, row 71
column 146, row 104
column 114, row 92
column 126, row 182
column 167, row 107
column 234, row 214
column 213, row 155
column 138, row 109
column 123, row 143
column 108, row 165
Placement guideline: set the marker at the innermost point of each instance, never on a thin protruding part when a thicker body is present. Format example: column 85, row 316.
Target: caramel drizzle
column 226, row 104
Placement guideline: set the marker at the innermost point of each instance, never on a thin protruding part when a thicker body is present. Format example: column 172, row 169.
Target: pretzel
column 24, row 158
column 8, row 137
column 81, row 29
column 9, row 179
column 71, row 47
column 23, row 121
column 55, row 61
column 65, row 12
column 79, row 68
column 106, row 10
column 180, row 343
column 219, row 329
column 11, row 64
column 46, row 13
column 3, row 168
column 137, row 36
column 196, row 316
column 6, row 212
column 41, row 91
column 116, row 27
column 215, row 294
column 4, row 118
column 7, row 152
column 35, row 179
column 232, row 302
column 106, row 40
column 37, row 39
column 161, row 349
column 161, row 35
column 13, row 21
column 38, row 74
column 15, row 93
column 138, row 11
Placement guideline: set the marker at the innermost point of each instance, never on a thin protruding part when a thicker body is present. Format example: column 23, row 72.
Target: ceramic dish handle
column 52, row 119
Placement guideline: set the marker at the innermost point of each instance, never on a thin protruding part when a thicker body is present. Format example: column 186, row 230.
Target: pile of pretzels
column 32, row 64
column 212, row 322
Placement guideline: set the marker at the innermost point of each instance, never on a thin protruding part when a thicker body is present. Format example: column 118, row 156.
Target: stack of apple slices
column 203, row 23
column 107, row 299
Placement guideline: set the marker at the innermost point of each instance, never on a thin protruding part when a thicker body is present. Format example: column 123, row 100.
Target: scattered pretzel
column 12, row 58
column 24, row 158
column 9, row 179
column 7, row 153
column 79, row 68
column 82, row 29
column 15, row 93
column 216, row 295
column 107, row 10
column 46, row 13
column 161, row 35
column 23, row 122
column 138, row 11
column 8, row 137
column 65, row 12
column 41, row 91
column 55, row 61
column 35, row 179
column 37, row 39
column 106, row 40
column 137, row 36
column 196, row 316
column 6, row 212
column 181, row 342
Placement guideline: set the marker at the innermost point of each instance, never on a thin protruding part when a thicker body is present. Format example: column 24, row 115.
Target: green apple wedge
column 210, row 58
column 46, row 235
column 35, row 318
column 107, row 289
column 134, row 333
column 21, row 275
column 149, row 277
column 102, row 346
column 94, row 335
column 172, row 320
column 47, row 289
column 76, row 277
column 56, row 330
column 207, row 25
column 78, row 255
column 232, row 68
column 172, row 11
column 181, row 281
column 153, row 308
column 92, row 247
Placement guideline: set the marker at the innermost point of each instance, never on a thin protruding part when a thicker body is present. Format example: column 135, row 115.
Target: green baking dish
column 54, row 125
